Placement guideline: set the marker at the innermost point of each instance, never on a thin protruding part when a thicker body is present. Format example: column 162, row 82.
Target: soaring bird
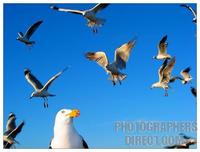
column 193, row 12
column 162, row 49
column 65, row 134
column 40, row 90
column 164, row 74
column 186, row 77
column 194, row 91
column 113, row 69
column 11, row 131
column 25, row 38
column 185, row 145
column 89, row 15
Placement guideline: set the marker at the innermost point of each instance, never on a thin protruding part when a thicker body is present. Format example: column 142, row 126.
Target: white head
column 65, row 116
column 156, row 85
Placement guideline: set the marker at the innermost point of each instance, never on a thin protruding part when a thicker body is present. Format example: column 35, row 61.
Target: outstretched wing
column 185, row 73
column 67, row 10
column 99, row 7
column 46, row 86
column 173, row 79
column 17, row 130
column 122, row 54
column 160, row 70
column 32, row 80
column 32, row 29
column 99, row 57
column 167, row 70
column 162, row 46
column 190, row 8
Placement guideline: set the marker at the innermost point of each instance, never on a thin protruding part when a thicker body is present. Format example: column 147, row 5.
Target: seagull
column 193, row 12
column 65, row 134
column 194, row 91
column 25, row 38
column 164, row 74
column 40, row 90
column 162, row 49
column 186, row 77
column 11, row 131
column 121, row 57
column 185, row 145
column 89, row 15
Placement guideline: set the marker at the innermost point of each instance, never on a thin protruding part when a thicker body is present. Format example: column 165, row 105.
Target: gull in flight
column 25, row 38
column 185, row 145
column 164, row 74
column 192, row 10
column 186, row 77
column 11, row 131
column 89, row 15
column 162, row 49
column 40, row 90
column 194, row 91
column 65, row 134
column 121, row 57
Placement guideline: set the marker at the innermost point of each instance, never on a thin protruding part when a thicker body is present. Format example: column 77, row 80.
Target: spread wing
column 67, row 10
column 122, row 54
column 32, row 29
column 32, row 80
column 162, row 46
column 99, row 7
column 167, row 70
column 46, row 86
column 99, row 57
column 185, row 73
column 17, row 130
column 190, row 9
column 160, row 70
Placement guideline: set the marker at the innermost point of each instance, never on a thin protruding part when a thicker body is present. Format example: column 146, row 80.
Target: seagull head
column 12, row 115
column 155, row 85
column 34, row 94
column 65, row 116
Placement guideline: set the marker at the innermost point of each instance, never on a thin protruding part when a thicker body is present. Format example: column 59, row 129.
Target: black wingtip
column 54, row 7
column 26, row 71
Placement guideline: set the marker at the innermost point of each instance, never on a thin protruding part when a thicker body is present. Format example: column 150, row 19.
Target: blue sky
column 62, row 39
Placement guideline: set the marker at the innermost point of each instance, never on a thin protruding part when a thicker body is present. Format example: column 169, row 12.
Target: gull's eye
column 62, row 111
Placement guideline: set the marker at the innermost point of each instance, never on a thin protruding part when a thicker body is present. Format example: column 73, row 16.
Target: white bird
column 162, row 49
column 40, row 90
column 65, row 134
column 89, row 15
column 164, row 74
column 11, row 131
column 25, row 38
column 186, row 77
column 192, row 10
column 121, row 57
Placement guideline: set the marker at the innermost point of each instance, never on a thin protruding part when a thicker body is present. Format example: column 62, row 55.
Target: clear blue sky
column 62, row 39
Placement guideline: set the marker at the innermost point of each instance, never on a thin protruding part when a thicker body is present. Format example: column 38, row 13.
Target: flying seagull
column 185, row 145
column 164, row 74
column 65, row 134
column 11, row 131
column 194, row 91
column 192, row 10
column 25, row 38
column 40, row 90
column 162, row 49
column 186, row 77
column 113, row 69
column 89, row 15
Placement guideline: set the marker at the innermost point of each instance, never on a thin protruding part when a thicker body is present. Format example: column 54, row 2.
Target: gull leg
column 119, row 80
column 166, row 93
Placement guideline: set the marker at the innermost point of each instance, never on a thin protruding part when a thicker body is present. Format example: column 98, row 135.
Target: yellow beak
column 74, row 113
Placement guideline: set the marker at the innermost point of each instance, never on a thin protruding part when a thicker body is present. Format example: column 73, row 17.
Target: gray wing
column 167, row 70
column 122, row 54
column 99, row 7
column 17, row 130
column 32, row 80
column 67, row 10
column 100, row 57
column 32, row 29
column 46, row 86
column 173, row 79
column 160, row 70
column 185, row 73
column 162, row 47
column 191, row 9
